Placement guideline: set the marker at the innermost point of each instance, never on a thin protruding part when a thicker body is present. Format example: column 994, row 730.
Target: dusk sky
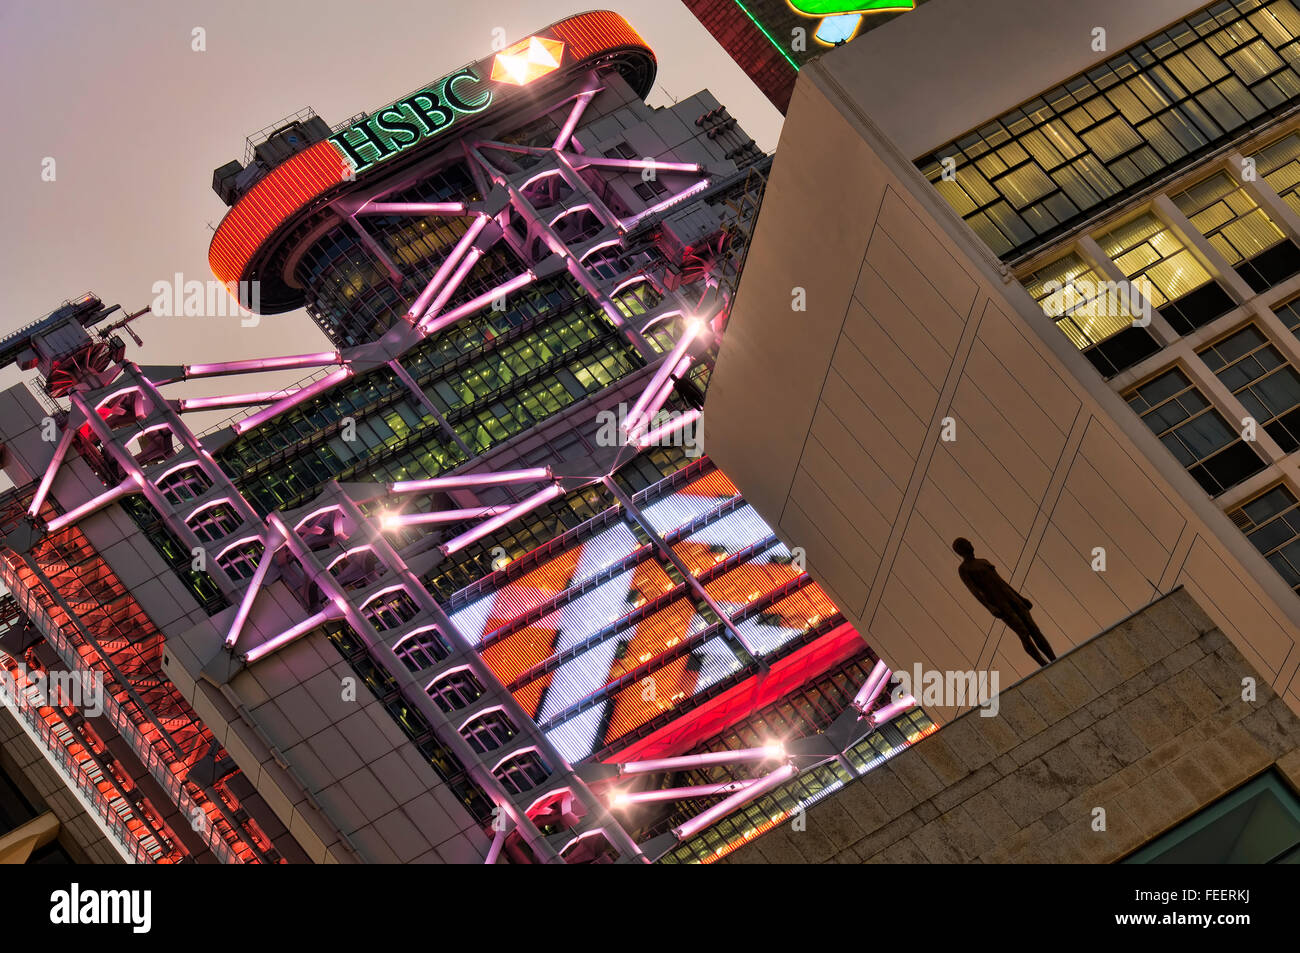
column 136, row 121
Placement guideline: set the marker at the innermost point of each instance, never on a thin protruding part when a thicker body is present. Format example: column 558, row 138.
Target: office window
column 1271, row 521
column 184, row 484
column 489, row 731
column 1165, row 271
column 213, row 522
column 240, row 561
column 522, row 772
column 1279, row 165
column 1288, row 313
column 1162, row 104
column 1194, row 432
column 1240, row 231
column 1259, row 823
column 455, row 690
column 1093, row 314
column 1267, row 386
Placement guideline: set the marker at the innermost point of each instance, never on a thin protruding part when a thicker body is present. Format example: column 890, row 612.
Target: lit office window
column 1240, row 231
column 1194, row 432
column 1101, row 137
column 1271, row 521
column 1279, row 165
column 1267, row 386
column 1093, row 314
column 1165, row 271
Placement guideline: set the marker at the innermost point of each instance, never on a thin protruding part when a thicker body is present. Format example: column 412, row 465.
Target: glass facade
column 1039, row 170
column 1194, row 432
column 490, row 377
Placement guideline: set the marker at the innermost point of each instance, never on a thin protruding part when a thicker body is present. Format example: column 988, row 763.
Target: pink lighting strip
column 579, row 162
column 421, row 306
column 251, row 365
column 720, row 810
column 628, row 798
column 458, row 543
column 889, row 711
column 449, row 288
column 474, row 304
column 331, row 611
column 470, row 479
column 630, row 223
column 498, row 841
column 652, row 408
column 128, row 486
column 271, row 542
column 634, row 421
column 402, row 520
column 681, row 421
column 411, row 208
column 707, row 759
column 871, row 688
column 295, row 398
column 47, row 478
column 186, row 404
column 575, row 114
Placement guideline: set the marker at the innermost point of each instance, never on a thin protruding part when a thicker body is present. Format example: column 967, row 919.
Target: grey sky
column 136, row 122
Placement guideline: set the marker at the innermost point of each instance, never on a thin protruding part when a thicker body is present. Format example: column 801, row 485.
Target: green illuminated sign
column 410, row 121
column 830, row 8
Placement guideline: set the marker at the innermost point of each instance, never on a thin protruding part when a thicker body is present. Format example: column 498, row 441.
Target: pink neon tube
column 449, row 287
column 661, row 376
column 612, row 163
column 673, row 794
column 399, row 520
column 230, row 400
column 570, row 124
column 470, row 479
column 495, row 523
column 412, row 208
column 262, row 364
column 737, row 800
column 892, row 709
column 695, row 189
column 498, row 841
column 128, row 486
column 770, row 753
column 48, row 477
column 331, row 611
column 270, row 543
column 685, row 420
column 872, row 687
column 421, row 306
column 647, row 415
column 294, row 399
column 469, row 307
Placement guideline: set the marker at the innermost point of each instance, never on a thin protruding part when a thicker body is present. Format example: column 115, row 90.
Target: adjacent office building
column 469, row 591
column 1042, row 297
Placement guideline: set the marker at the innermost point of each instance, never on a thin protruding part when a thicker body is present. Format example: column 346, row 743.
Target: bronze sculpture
column 1007, row 605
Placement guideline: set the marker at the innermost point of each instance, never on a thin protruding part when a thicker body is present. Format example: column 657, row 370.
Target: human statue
column 1007, row 605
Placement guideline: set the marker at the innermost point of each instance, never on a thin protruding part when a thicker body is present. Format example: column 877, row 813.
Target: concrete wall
column 831, row 421
column 1146, row 721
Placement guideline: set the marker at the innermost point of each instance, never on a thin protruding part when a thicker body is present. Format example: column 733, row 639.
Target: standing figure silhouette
column 1007, row 605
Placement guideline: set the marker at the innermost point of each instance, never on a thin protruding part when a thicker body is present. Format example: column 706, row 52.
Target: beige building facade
column 887, row 384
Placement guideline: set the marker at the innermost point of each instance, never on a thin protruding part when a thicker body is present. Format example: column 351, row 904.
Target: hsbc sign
column 412, row 120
